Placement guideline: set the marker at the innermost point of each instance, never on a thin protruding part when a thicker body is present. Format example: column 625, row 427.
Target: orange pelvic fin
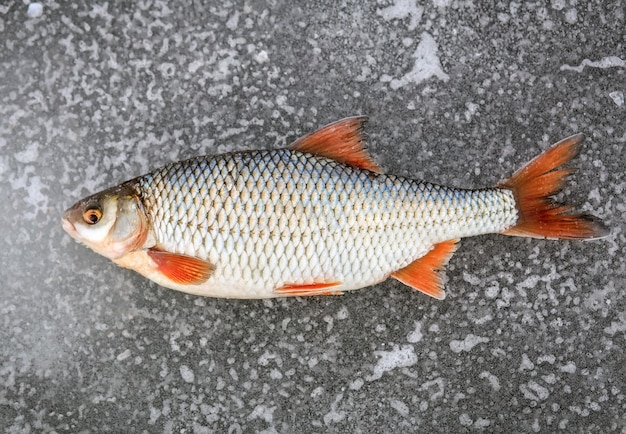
column 182, row 269
column 303, row 290
column 343, row 141
column 535, row 183
column 422, row 275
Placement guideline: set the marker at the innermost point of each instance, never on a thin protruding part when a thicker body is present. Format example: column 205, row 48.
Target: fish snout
column 68, row 226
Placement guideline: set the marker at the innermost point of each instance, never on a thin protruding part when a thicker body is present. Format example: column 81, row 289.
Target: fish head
column 111, row 222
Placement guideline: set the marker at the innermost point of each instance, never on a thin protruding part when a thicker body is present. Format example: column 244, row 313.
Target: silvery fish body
column 269, row 219
column 318, row 218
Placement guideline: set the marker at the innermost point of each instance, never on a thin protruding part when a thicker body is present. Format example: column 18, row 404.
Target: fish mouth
column 68, row 226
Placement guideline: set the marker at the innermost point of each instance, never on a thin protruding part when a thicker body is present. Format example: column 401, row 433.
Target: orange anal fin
column 422, row 274
column 342, row 141
column 182, row 269
column 311, row 289
column 533, row 187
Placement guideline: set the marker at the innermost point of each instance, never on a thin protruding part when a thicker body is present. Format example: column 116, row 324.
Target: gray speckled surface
column 531, row 337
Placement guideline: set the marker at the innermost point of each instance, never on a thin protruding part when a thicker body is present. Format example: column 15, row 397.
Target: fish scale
column 298, row 214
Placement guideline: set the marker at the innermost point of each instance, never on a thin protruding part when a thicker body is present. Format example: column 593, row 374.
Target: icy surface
column 532, row 333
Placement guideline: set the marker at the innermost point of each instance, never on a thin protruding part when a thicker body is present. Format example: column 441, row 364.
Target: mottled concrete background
column 531, row 337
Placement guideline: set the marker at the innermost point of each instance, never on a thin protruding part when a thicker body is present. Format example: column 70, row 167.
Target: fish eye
column 92, row 215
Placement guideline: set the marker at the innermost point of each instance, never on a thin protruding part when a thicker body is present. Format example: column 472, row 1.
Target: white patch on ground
column 569, row 367
column 467, row 344
column 597, row 299
column 187, row 374
column 356, row 384
column 442, row 3
column 546, row 358
column 526, row 364
column 558, row 5
column 281, row 102
column 35, row 10
column 233, row 21
column 194, row 66
column 29, row 154
column 605, row 62
column 482, row 423
column 342, row 313
column 571, row 16
column 155, row 414
column 471, row 279
column 167, row 70
column 534, row 391
column 399, row 357
column 471, row 111
column 416, row 335
column 465, row 419
column 262, row 412
column 265, row 358
column 427, row 65
column 402, row 9
column 492, row 379
column 317, row 392
column 617, row 326
column 262, row 57
column 35, row 197
column 399, row 406
column 123, row 355
column 329, row 321
column 550, row 378
column 437, row 391
column 334, row 416
column 617, row 97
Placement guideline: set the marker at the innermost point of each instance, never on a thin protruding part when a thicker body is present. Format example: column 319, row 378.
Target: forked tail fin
column 535, row 183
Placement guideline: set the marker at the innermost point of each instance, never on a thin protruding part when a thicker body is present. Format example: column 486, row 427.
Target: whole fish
column 317, row 218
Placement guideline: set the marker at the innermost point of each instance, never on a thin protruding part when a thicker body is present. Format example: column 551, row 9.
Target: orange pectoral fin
column 342, row 141
column 182, row 269
column 422, row 275
column 295, row 290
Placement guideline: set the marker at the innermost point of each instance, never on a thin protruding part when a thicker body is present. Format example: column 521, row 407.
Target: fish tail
column 533, row 187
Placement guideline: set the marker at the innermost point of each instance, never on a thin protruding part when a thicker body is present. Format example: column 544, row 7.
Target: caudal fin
column 535, row 183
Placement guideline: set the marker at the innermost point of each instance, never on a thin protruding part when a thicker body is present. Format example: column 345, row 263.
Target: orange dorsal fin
column 535, row 183
column 422, row 274
column 309, row 289
column 182, row 269
column 342, row 141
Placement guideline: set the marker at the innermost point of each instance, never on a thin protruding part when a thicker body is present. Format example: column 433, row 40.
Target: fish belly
column 270, row 219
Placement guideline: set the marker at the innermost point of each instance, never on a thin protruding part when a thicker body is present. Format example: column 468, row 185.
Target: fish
column 318, row 217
